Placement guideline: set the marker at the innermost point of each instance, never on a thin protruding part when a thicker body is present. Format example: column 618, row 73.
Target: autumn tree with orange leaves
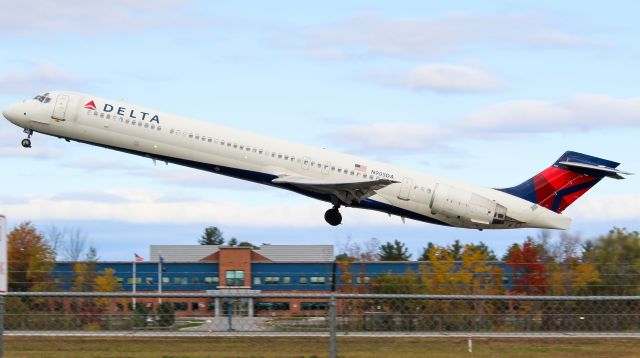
column 31, row 259
column 526, row 260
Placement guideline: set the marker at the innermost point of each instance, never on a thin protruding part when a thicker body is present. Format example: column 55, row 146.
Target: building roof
column 275, row 253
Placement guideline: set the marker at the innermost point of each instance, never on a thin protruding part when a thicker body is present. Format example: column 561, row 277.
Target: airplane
column 336, row 178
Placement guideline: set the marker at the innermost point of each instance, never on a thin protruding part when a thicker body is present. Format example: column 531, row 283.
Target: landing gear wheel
column 26, row 143
column 333, row 217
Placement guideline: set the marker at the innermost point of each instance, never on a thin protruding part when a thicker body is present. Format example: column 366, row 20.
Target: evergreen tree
column 395, row 251
column 211, row 236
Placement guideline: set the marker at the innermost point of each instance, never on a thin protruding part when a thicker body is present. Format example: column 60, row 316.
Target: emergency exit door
column 405, row 189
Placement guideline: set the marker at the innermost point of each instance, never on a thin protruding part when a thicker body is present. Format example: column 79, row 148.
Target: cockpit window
column 43, row 98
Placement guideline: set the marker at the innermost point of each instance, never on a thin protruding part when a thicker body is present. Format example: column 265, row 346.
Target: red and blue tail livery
column 572, row 175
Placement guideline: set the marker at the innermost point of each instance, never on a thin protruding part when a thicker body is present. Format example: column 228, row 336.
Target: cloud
column 41, row 76
column 423, row 37
column 580, row 113
column 45, row 19
column 607, row 208
column 150, row 207
column 395, row 137
column 438, row 77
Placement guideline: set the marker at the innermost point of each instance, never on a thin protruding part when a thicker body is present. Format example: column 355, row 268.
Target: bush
column 166, row 314
column 140, row 314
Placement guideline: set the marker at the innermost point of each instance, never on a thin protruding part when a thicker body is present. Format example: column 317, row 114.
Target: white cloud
column 579, row 113
column 610, row 208
column 439, row 77
column 374, row 34
column 139, row 206
column 390, row 137
column 40, row 77
column 45, row 19
column 500, row 121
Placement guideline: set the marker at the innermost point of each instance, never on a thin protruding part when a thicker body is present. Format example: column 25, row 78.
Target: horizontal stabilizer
column 606, row 171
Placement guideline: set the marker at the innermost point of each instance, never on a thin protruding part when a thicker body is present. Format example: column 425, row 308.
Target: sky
column 487, row 92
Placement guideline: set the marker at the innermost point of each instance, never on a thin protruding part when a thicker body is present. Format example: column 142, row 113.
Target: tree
column 616, row 256
column 233, row 242
column 107, row 282
column 211, row 236
column 395, row 251
column 355, row 251
column 166, row 314
column 31, row 260
column 247, row 244
column 529, row 271
column 74, row 245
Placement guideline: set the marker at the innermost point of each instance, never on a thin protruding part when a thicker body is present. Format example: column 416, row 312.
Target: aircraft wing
column 345, row 190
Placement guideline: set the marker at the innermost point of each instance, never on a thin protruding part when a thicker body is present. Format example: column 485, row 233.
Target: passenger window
column 171, row 131
column 254, row 150
column 139, row 124
column 101, row 115
column 241, row 147
column 159, row 128
column 153, row 126
column 235, row 145
column 197, row 136
column 108, row 116
column 279, row 156
column 190, row 135
column 260, row 152
column 351, row 172
column 146, row 125
column 333, row 169
column 127, row 121
column 209, row 139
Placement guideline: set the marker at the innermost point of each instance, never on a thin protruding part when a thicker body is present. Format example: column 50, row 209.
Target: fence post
column 333, row 323
column 230, row 314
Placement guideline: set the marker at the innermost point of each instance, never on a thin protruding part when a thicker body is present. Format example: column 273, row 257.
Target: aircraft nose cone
column 11, row 113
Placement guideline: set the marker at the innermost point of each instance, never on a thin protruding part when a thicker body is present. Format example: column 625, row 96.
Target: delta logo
column 123, row 111
column 90, row 105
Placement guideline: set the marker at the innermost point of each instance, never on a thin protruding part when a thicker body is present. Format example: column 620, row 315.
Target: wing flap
column 345, row 190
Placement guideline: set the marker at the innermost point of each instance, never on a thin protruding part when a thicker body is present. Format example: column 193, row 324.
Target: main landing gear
column 333, row 216
column 27, row 141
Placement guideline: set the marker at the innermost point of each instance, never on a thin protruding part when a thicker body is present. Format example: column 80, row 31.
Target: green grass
column 357, row 347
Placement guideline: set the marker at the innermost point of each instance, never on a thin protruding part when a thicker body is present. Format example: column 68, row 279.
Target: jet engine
column 462, row 204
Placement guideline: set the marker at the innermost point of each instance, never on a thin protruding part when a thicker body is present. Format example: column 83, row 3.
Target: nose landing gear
column 27, row 141
column 333, row 216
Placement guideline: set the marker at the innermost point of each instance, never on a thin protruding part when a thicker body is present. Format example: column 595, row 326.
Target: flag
column 138, row 258
column 361, row 168
column 161, row 259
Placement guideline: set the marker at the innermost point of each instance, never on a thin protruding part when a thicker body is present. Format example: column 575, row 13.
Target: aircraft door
column 405, row 189
column 60, row 108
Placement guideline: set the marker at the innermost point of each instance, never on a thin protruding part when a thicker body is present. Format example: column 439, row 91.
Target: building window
column 195, row 280
column 211, row 306
column 257, row 281
column 314, row 306
column 302, row 280
column 211, row 280
column 195, row 306
column 166, row 280
column 286, row 280
column 272, row 280
column 272, row 306
column 180, row 306
column 235, row 277
column 319, row 280
column 149, row 280
column 138, row 280
column 180, row 280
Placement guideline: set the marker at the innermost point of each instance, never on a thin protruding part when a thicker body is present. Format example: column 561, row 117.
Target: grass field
column 69, row 347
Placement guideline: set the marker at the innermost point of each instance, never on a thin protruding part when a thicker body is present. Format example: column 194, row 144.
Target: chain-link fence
column 301, row 313
column 318, row 314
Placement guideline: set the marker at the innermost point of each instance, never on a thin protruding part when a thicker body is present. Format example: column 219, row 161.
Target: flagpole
column 160, row 278
column 134, row 282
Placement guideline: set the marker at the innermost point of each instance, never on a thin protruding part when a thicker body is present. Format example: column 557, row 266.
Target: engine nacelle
column 462, row 204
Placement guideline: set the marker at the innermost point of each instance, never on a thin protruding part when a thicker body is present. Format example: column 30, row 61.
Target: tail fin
column 572, row 175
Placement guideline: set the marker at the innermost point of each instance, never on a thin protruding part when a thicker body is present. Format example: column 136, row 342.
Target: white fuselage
column 228, row 151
